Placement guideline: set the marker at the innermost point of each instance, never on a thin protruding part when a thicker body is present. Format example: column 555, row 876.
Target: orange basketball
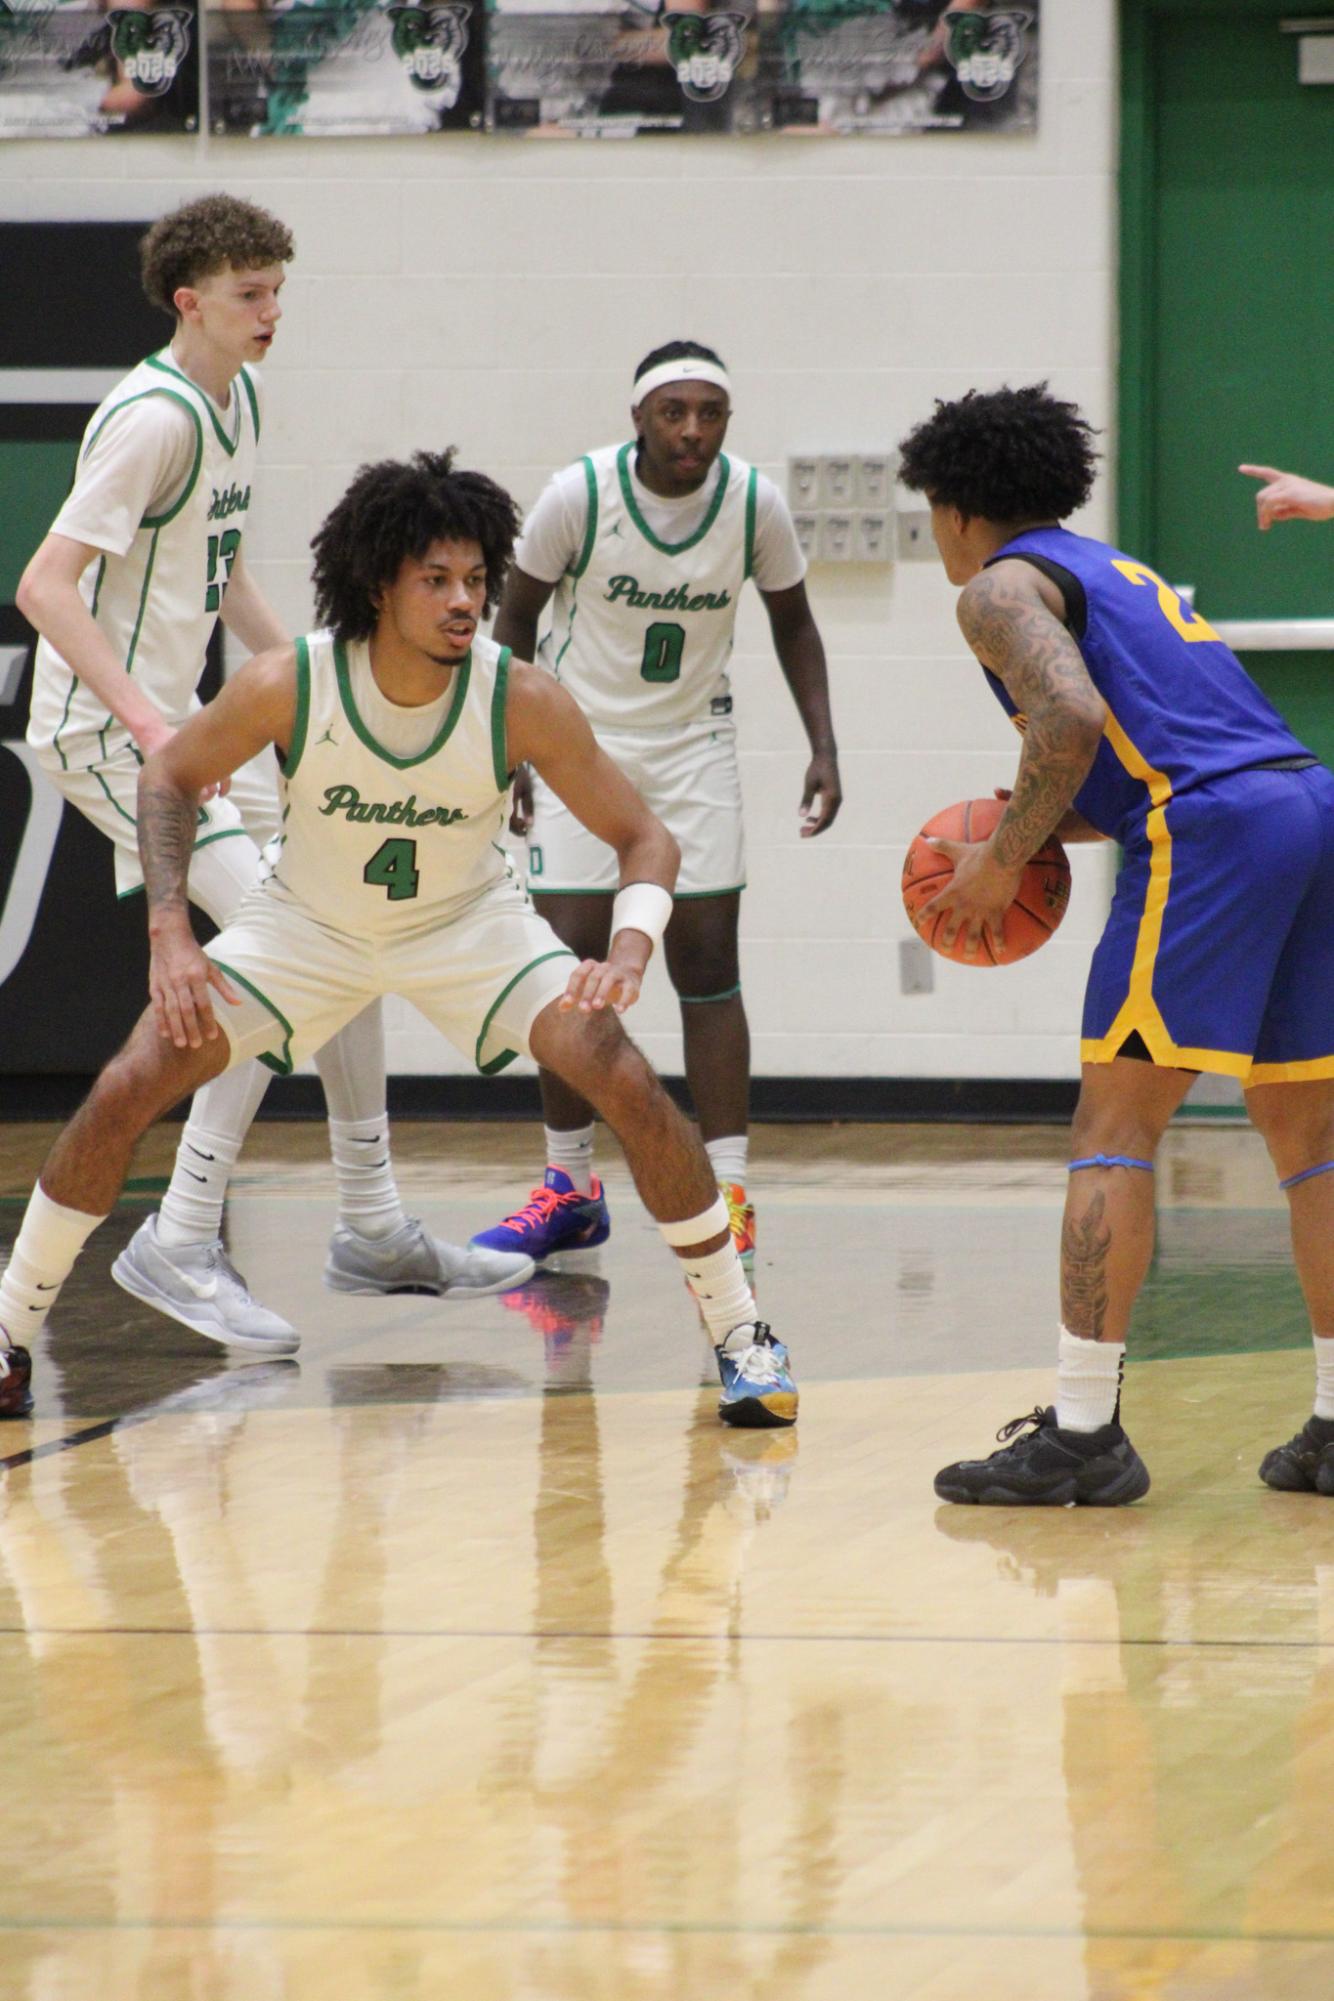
column 1044, row 892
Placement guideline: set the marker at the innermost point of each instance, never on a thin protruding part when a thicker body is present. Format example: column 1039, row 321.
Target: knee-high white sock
column 368, row 1197
column 220, row 1117
column 50, row 1238
column 1088, row 1381
column 572, row 1152
column 717, row 1278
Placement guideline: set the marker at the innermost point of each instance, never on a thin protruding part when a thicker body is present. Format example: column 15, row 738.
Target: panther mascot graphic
column 429, row 42
column 704, row 50
column 986, row 51
column 150, row 46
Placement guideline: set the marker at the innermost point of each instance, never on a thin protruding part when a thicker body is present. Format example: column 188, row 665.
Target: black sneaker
column 1295, row 1468
column 1050, row 1468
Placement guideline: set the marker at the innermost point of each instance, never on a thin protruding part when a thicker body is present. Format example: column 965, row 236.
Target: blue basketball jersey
column 1182, row 710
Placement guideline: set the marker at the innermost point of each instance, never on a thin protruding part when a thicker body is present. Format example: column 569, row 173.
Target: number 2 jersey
column 379, row 845
column 157, row 600
column 1181, row 708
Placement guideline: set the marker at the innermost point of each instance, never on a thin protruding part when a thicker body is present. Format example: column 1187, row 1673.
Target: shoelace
column 759, row 1364
column 736, row 1212
column 1033, row 1417
column 538, row 1207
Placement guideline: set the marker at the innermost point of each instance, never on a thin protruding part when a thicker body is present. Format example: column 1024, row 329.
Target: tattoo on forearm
column 1085, row 1243
column 166, row 842
column 1013, row 633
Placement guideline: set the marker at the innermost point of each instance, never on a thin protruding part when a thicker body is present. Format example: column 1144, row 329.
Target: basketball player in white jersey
column 398, row 729
column 645, row 547
column 144, row 557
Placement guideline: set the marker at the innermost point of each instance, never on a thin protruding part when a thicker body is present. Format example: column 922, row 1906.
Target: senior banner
column 77, row 72
column 347, row 70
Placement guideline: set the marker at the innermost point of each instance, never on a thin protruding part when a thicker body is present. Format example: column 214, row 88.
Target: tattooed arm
column 1011, row 617
column 257, row 707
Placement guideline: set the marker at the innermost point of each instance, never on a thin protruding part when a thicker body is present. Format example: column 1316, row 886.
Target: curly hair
column 678, row 350
column 215, row 233
column 1003, row 455
column 391, row 514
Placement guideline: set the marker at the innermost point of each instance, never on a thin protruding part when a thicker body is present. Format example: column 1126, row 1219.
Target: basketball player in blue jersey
column 147, row 553
column 1138, row 726
column 399, row 727
column 643, row 549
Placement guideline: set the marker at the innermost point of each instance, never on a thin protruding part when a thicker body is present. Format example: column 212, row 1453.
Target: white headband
column 691, row 368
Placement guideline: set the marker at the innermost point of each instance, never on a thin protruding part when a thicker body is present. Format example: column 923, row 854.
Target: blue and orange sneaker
column 556, row 1217
column 758, row 1390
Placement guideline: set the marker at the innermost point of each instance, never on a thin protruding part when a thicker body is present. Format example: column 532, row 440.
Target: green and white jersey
column 162, row 488
column 642, row 627
column 379, row 844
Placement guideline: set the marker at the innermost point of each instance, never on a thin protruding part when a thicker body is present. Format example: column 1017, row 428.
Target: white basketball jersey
column 159, row 602
column 641, row 628
column 379, row 845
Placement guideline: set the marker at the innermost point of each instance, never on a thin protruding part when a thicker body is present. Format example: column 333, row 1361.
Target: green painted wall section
column 1227, row 302
column 34, row 479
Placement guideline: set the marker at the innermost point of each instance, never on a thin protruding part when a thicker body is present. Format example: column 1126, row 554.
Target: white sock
column 572, row 1153
column 368, row 1197
column 50, row 1238
column 191, row 1211
column 729, row 1159
column 220, row 1118
column 718, row 1281
column 1088, row 1381
column 1324, row 1375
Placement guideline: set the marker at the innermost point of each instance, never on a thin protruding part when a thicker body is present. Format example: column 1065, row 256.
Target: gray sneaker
column 199, row 1285
column 412, row 1261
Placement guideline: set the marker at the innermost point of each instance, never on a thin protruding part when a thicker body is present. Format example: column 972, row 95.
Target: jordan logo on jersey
column 625, row 590
column 347, row 800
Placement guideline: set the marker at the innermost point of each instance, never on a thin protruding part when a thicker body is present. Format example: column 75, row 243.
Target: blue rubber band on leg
column 1124, row 1160
column 1325, row 1167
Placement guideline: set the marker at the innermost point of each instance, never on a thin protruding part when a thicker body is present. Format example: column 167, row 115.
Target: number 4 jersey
column 376, row 844
column 641, row 627
column 157, row 589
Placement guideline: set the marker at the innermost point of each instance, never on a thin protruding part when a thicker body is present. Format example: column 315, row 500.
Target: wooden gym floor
column 468, row 1656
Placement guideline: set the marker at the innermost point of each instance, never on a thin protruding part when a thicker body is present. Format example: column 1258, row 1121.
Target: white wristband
column 642, row 906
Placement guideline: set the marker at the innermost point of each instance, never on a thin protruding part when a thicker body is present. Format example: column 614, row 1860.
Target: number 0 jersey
column 159, row 602
column 642, row 628
column 1181, row 708
column 379, row 845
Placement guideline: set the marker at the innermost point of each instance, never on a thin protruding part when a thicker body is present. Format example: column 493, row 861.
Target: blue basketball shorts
column 1219, row 945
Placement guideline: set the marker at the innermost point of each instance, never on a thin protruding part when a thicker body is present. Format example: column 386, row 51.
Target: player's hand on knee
column 596, row 984
column 179, row 979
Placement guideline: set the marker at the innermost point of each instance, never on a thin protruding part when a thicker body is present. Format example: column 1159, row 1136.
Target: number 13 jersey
column 158, row 601
column 642, row 628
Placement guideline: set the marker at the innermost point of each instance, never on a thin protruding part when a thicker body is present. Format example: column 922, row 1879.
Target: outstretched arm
column 1010, row 616
column 255, row 708
column 1288, row 497
column 547, row 729
column 800, row 653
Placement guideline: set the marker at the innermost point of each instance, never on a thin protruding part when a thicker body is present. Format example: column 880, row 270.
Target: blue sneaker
column 758, row 1389
column 556, row 1217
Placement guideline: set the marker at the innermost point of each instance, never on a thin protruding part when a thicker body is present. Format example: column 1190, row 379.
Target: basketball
column 1041, row 903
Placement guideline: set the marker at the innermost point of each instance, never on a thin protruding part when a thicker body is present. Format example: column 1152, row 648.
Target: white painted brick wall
column 497, row 293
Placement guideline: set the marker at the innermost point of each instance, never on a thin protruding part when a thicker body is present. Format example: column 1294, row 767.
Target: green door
column 1227, row 319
